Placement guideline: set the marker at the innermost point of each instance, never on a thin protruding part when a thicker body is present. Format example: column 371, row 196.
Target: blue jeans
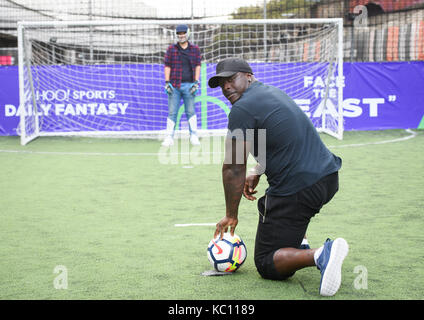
column 174, row 100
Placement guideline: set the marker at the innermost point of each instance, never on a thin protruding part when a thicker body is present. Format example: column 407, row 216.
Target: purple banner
column 387, row 95
column 9, row 95
column 377, row 96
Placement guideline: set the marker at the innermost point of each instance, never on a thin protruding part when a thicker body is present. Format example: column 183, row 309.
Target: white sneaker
column 329, row 262
column 169, row 141
column 194, row 140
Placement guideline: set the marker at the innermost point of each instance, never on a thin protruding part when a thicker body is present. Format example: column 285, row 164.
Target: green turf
column 109, row 219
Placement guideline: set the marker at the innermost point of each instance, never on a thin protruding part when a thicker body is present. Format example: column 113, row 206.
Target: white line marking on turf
column 141, row 154
column 413, row 135
column 126, row 154
column 81, row 153
column 194, row 224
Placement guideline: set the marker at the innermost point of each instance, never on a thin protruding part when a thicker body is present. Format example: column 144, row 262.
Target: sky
column 171, row 9
column 200, row 7
column 10, row 12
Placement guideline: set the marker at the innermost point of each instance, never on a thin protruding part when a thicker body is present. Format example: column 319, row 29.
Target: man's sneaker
column 169, row 141
column 194, row 140
column 330, row 263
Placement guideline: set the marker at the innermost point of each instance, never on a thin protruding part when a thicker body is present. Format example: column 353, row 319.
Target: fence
column 374, row 30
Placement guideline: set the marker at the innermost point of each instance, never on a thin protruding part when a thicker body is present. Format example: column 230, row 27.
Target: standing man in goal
column 182, row 72
column 302, row 176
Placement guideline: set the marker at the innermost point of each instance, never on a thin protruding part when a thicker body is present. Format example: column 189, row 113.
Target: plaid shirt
column 173, row 60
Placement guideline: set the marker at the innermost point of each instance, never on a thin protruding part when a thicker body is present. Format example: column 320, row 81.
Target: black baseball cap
column 227, row 68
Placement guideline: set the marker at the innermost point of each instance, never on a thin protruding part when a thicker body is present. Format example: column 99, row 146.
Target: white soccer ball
column 228, row 254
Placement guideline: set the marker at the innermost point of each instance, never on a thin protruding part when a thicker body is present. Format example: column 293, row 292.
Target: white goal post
column 106, row 78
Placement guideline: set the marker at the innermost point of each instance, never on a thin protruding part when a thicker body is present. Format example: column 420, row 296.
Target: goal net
column 106, row 78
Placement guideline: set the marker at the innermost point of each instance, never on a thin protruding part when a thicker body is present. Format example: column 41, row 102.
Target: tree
column 276, row 9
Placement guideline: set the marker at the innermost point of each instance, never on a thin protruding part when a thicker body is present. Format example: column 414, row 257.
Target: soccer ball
column 228, row 254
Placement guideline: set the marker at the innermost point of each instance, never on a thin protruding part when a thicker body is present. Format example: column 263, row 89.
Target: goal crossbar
column 81, row 23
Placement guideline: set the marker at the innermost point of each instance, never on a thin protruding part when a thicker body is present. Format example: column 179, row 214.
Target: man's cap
column 227, row 68
column 181, row 28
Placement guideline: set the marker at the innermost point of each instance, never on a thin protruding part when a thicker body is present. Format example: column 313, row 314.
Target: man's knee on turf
column 266, row 268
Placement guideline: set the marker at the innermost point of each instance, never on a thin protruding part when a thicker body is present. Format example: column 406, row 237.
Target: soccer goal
column 106, row 78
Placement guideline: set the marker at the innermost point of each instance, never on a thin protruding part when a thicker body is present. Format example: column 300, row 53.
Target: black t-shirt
column 185, row 59
column 295, row 155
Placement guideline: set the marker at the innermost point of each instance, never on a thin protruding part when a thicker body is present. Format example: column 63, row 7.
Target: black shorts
column 283, row 221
